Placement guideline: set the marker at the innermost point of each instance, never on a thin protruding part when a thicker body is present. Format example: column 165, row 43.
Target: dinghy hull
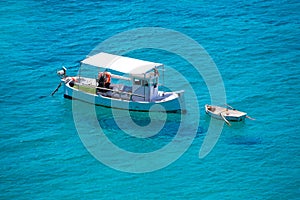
column 221, row 112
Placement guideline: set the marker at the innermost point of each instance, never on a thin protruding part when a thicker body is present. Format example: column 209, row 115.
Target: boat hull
column 173, row 104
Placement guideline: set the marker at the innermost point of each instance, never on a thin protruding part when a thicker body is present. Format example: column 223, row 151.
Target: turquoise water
column 255, row 45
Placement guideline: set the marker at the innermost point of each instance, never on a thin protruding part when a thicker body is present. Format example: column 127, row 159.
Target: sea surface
column 255, row 45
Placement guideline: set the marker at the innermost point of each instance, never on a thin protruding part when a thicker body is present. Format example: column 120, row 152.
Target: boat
column 225, row 113
column 120, row 82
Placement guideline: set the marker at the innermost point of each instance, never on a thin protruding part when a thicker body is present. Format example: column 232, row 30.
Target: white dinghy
column 227, row 114
column 120, row 82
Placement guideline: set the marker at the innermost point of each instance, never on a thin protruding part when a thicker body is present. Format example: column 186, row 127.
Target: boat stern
column 181, row 100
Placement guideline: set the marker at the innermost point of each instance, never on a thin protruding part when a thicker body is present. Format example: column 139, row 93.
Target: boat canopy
column 121, row 63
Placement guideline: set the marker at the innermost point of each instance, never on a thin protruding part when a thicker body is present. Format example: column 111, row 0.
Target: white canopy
column 120, row 63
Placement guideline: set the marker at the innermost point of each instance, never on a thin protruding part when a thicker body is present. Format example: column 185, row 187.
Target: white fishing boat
column 120, row 82
column 225, row 113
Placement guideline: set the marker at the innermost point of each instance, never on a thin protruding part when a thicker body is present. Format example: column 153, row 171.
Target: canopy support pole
column 144, row 87
column 163, row 75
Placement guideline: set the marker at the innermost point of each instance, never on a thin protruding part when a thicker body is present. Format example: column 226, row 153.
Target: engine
column 62, row 73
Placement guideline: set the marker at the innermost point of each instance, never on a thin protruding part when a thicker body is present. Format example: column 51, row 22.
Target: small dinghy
column 225, row 113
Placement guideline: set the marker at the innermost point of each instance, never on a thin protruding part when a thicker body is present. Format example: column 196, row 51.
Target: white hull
column 122, row 82
column 171, row 101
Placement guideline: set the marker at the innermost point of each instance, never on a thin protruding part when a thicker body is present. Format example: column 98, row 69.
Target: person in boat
column 107, row 79
column 101, row 81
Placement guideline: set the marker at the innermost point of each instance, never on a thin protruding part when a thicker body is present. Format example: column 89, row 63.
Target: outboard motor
column 62, row 73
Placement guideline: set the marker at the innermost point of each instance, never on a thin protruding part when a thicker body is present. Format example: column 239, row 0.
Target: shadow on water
column 136, row 131
column 108, row 121
column 240, row 134
column 143, row 119
column 237, row 133
column 244, row 140
column 138, row 123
